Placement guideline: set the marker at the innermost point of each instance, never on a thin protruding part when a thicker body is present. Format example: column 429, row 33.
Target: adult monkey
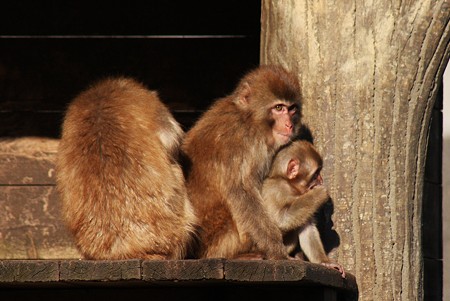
column 122, row 189
column 229, row 152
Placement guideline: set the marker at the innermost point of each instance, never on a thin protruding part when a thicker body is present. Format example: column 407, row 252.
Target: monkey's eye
column 279, row 108
column 316, row 179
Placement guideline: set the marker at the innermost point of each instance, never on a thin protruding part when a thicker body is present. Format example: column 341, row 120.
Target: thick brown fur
column 230, row 150
column 122, row 190
column 292, row 194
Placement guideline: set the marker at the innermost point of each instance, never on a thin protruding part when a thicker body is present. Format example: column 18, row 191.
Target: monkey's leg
column 311, row 244
column 312, row 247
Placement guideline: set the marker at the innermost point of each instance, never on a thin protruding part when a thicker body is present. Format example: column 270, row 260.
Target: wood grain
column 370, row 73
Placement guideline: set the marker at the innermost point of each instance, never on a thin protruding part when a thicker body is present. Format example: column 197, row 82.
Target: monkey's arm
column 248, row 211
column 290, row 210
column 311, row 244
column 312, row 247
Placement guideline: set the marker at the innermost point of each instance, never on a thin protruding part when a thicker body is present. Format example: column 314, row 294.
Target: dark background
column 191, row 52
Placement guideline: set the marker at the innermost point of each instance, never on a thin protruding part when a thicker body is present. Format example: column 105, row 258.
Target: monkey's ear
column 293, row 169
column 244, row 94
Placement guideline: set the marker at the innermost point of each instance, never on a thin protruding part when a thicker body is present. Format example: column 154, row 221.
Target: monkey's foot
column 335, row 266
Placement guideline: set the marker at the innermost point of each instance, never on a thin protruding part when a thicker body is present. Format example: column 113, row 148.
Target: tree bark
column 369, row 72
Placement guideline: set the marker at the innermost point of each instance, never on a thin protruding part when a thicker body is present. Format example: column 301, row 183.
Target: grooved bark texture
column 370, row 72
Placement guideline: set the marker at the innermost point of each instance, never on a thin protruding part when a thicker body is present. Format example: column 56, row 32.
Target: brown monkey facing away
column 122, row 190
column 229, row 151
column 292, row 194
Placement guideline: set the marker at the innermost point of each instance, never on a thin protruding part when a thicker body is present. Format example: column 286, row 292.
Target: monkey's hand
column 335, row 266
column 319, row 193
column 302, row 209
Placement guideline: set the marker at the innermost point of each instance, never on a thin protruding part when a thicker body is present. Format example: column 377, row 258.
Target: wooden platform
column 214, row 279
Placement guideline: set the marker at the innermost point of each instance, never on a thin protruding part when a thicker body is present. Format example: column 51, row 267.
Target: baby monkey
column 292, row 193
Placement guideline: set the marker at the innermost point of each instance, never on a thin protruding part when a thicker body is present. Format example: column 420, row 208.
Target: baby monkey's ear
column 292, row 169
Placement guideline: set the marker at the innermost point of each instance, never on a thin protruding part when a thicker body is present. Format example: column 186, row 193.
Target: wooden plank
column 183, row 270
column 118, row 279
column 31, row 225
column 255, row 271
column 285, row 271
column 100, row 270
column 174, row 270
column 22, row 271
column 28, row 161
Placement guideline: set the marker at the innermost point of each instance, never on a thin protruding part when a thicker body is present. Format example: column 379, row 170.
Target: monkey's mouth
column 287, row 136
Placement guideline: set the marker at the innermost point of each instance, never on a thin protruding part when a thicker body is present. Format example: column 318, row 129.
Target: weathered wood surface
column 18, row 271
column 172, row 280
column 28, row 161
column 21, row 272
column 30, row 219
column 369, row 72
column 183, row 270
column 83, row 270
column 210, row 276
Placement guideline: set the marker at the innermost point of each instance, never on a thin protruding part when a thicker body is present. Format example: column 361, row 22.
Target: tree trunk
column 370, row 73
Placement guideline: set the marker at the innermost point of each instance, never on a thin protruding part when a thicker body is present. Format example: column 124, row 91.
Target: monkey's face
column 307, row 175
column 285, row 117
column 311, row 179
column 316, row 180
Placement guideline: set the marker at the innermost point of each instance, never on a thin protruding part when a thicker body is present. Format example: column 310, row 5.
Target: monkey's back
column 123, row 193
column 221, row 148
